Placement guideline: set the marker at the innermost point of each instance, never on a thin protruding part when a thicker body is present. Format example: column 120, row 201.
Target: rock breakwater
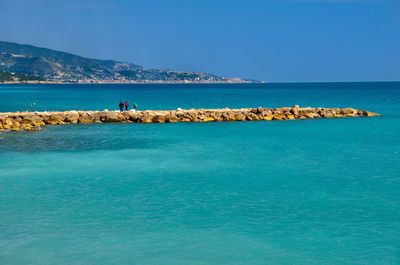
column 34, row 121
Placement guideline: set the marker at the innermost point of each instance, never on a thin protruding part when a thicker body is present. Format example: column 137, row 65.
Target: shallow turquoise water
column 287, row 192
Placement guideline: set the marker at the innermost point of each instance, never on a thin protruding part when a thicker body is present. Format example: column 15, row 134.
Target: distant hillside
column 29, row 63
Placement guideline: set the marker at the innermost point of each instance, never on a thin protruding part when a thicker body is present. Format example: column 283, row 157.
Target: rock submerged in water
column 34, row 121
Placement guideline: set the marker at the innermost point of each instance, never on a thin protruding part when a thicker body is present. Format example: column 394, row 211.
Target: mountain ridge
column 28, row 63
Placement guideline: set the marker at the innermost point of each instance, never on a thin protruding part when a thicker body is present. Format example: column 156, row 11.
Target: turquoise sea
column 281, row 192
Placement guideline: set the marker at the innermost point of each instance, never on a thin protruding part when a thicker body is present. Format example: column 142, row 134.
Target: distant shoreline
column 124, row 83
column 180, row 83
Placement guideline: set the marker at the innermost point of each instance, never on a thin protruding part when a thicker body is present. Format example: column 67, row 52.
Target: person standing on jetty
column 121, row 105
column 126, row 105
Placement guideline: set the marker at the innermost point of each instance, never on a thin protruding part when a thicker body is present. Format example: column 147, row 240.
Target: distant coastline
column 27, row 64
column 130, row 82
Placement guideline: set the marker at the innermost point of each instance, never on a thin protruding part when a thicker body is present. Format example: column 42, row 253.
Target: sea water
column 283, row 192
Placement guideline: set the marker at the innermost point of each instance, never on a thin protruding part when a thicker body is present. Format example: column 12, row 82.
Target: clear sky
column 270, row 40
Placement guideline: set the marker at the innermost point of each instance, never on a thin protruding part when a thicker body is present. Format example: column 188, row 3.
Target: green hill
column 26, row 62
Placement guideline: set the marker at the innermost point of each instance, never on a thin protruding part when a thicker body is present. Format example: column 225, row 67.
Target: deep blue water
column 281, row 192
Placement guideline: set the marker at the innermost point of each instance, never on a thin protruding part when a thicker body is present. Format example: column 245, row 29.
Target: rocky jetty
column 33, row 121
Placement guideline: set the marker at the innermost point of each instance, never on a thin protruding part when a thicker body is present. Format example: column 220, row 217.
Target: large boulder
column 84, row 118
column 71, row 117
column 290, row 116
column 240, row 116
column 193, row 115
column 186, row 120
column 229, row 115
column 217, row 116
column 328, row 114
column 311, row 115
column 112, row 116
column 16, row 117
column 208, row 119
column 146, row 118
column 26, row 127
column 171, row 118
column 15, row 126
column 31, row 119
column 31, row 122
column 7, row 122
column 348, row 112
column 55, row 119
column 295, row 110
column 158, row 119
column 286, row 111
column 257, row 110
column 133, row 116
column 251, row 116
column 279, row 117
column 96, row 116
column 266, row 112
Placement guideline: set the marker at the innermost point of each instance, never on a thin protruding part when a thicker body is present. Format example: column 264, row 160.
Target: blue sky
column 270, row 40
